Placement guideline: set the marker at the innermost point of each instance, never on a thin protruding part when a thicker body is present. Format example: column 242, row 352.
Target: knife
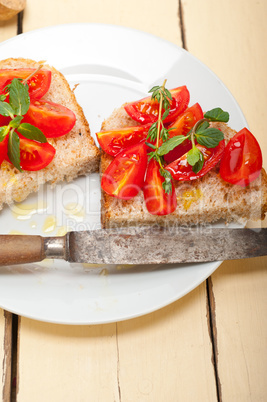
column 137, row 245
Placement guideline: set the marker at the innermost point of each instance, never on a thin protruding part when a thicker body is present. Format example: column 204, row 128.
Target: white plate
column 112, row 65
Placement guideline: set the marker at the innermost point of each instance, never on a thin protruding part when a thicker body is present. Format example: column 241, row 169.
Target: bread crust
column 202, row 201
column 76, row 152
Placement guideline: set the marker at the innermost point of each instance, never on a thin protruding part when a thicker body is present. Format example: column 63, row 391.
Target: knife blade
column 137, row 245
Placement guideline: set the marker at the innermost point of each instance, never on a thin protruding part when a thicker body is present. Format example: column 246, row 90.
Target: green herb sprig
column 202, row 133
column 16, row 107
column 157, row 131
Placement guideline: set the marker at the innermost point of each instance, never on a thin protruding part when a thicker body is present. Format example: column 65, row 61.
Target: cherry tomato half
column 146, row 111
column 35, row 155
column 114, row 141
column 124, row 177
column 181, row 170
column 158, row 202
column 3, row 149
column 4, row 120
column 242, row 159
column 183, row 124
column 39, row 83
column 52, row 119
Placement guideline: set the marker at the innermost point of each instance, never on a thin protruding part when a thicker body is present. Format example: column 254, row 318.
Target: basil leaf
column 31, row 132
column 6, row 109
column 3, row 132
column 199, row 165
column 202, row 126
column 193, row 156
column 170, row 144
column 15, row 122
column 19, row 97
column 217, row 114
column 210, row 137
column 13, row 149
column 2, row 97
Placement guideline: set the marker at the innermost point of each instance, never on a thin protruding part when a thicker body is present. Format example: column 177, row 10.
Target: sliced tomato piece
column 158, row 202
column 186, row 121
column 39, row 83
column 124, row 177
column 4, row 120
column 114, row 141
column 146, row 110
column 52, row 119
column 242, row 159
column 181, row 170
column 3, row 149
column 35, row 155
column 183, row 124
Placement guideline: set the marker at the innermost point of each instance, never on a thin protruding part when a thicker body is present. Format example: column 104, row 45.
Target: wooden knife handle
column 20, row 249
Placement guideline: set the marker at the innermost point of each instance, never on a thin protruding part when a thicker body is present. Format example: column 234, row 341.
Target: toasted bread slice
column 76, row 152
column 201, row 201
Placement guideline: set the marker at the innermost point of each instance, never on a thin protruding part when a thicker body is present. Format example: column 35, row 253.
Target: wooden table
column 211, row 344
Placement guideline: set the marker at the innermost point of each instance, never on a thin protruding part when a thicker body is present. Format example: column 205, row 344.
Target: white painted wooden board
column 162, row 356
column 231, row 40
column 156, row 17
column 8, row 29
column 2, row 351
column 5, row 355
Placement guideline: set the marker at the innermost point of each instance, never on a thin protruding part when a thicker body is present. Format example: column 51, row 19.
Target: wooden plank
column 72, row 363
column 5, row 354
column 8, row 29
column 156, row 17
column 231, row 43
column 240, row 295
column 167, row 356
column 67, row 363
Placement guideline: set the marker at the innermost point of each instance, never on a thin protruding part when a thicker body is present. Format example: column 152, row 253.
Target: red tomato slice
column 3, row 149
column 114, row 141
column 4, row 120
column 39, row 83
column 52, row 119
column 181, row 170
column 124, row 177
column 146, row 111
column 35, row 155
column 157, row 201
column 182, row 126
column 242, row 159
column 186, row 121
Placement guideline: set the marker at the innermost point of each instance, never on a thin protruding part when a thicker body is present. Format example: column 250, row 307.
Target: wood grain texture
column 231, row 43
column 167, row 355
column 5, row 354
column 240, row 311
column 156, row 17
column 67, row 363
column 230, row 40
column 8, row 29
